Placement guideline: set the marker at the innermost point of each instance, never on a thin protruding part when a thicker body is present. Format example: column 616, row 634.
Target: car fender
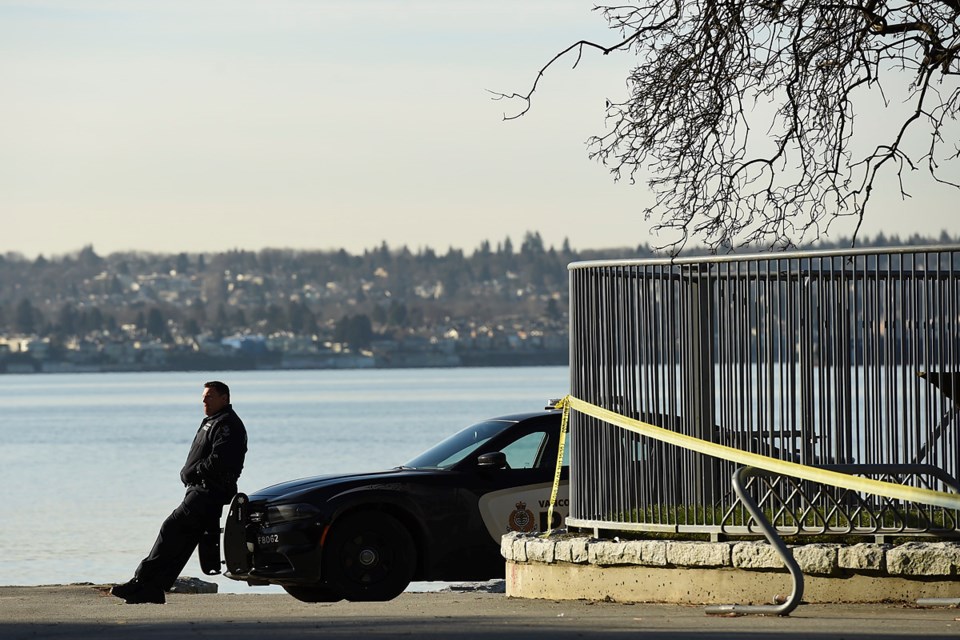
column 395, row 500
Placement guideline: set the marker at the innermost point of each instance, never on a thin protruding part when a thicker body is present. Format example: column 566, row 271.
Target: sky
column 209, row 125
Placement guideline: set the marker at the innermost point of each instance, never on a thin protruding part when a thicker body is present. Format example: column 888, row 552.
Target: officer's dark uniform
column 210, row 475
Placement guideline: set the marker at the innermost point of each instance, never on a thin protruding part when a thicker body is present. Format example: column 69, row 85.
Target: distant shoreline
column 409, row 361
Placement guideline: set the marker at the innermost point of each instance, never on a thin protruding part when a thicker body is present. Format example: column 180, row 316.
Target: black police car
column 439, row 517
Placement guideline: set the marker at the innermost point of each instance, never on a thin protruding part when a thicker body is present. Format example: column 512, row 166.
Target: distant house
column 39, row 348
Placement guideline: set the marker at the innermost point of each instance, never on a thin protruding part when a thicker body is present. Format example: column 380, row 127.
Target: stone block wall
column 573, row 566
column 933, row 559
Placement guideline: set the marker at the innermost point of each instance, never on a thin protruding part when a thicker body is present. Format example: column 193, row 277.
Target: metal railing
column 826, row 358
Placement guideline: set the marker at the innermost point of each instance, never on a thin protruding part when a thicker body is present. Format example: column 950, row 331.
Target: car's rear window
column 458, row 446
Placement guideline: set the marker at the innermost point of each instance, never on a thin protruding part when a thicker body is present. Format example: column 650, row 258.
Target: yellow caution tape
column 783, row 467
column 564, row 428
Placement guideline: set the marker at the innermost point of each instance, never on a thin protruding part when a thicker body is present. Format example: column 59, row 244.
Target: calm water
column 89, row 463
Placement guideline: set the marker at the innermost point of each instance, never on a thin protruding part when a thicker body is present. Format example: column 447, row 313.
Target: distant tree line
column 353, row 297
column 383, row 292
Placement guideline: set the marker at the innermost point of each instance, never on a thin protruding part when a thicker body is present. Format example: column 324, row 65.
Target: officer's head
column 216, row 396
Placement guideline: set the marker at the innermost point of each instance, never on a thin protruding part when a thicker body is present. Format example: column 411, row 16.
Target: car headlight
column 291, row 512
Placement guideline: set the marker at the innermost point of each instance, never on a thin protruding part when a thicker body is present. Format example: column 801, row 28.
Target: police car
column 439, row 517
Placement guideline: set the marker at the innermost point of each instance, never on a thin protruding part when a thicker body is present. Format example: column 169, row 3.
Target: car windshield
column 458, row 446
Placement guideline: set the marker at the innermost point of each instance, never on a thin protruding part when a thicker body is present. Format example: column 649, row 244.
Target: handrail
column 754, row 257
column 739, row 479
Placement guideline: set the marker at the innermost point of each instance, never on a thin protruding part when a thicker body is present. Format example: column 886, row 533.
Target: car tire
column 369, row 557
column 314, row 594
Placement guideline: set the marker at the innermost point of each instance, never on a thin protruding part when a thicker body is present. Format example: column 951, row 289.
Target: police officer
column 210, row 475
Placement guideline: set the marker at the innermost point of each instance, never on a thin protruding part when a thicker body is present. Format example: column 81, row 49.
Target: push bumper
column 260, row 553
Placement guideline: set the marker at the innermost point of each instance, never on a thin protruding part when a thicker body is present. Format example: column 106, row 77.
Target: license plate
column 270, row 538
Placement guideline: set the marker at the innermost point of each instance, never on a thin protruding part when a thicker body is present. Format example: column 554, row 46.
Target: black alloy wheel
column 369, row 557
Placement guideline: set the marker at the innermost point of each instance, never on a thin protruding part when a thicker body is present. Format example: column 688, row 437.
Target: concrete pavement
column 83, row 611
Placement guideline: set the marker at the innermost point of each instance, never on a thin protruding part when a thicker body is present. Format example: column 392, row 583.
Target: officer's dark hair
column 219, row 387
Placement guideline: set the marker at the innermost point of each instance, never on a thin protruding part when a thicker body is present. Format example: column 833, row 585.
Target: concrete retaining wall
column 574, row 567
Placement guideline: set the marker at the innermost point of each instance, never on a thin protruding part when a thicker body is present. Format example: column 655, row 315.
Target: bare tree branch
column 527, row 97
column 741, row 114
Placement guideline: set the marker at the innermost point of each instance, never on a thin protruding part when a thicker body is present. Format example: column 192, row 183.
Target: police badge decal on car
column 521, row 519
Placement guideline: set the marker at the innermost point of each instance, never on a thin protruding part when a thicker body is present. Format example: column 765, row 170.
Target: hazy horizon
column 205, row 126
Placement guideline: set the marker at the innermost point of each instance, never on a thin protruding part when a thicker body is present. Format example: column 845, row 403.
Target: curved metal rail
column 740, row 477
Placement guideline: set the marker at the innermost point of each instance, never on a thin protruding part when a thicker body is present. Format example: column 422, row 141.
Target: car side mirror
column 492, row 460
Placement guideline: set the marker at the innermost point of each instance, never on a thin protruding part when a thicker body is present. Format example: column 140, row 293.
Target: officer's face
column 213, row 402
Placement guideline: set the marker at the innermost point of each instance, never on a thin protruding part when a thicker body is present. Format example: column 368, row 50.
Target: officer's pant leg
column 178, row 537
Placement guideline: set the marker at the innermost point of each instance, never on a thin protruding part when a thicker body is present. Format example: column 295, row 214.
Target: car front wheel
column 369, row 556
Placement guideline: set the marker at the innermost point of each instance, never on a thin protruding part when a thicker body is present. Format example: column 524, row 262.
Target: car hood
column 292, row 488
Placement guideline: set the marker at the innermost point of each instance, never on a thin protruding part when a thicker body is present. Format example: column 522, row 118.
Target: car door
column 517, row 496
